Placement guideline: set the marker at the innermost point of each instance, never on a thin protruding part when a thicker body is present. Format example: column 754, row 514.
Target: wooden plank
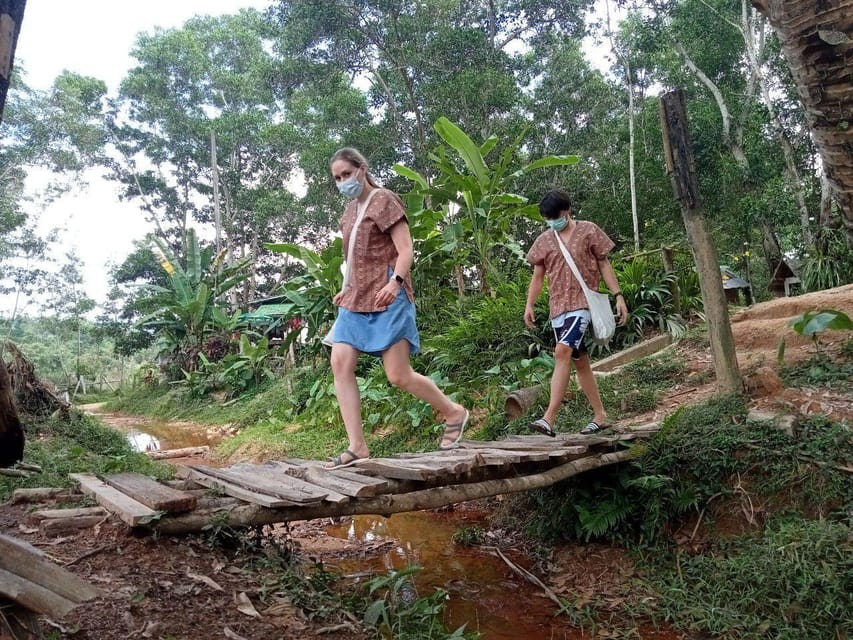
column 63, row 526
column 522, row 454
column 42, row 494
column 517, row 445
column 34, row 596
column 235, row 491
column 328, row 479
column 442, row 465
column 388, row 468
column 275, row 484
column 129, row 510
column 49, row 514
column 308, row 491
column 151, row 493
column 347, row 473
column 23, row 560
column 562, row 441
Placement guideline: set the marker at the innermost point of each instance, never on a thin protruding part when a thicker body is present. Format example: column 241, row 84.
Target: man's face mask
column 557, row 225
column 350, row 187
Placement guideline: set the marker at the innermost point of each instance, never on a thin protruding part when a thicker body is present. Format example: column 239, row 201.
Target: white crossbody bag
column 603, row 322
column 329, row 340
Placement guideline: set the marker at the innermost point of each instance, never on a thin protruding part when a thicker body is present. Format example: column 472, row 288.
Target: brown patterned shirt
column 587, row 244
column 374, row 252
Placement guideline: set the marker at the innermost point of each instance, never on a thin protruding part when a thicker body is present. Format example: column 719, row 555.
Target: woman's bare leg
column 344, row 360
column 400, row 374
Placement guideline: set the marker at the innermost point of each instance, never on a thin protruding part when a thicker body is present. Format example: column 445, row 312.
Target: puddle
column 484, row 592
column 149, row 434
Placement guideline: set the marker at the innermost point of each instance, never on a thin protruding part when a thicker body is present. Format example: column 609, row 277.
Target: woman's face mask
column 351, row 187
column 559, row 224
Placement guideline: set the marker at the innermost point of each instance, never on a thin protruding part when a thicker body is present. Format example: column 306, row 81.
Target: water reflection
column 484, row 592
column 150, row 434
column 141, row 441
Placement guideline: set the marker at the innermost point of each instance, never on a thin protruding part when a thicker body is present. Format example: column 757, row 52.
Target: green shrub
column 696, row 457
column 795, row 582
column 77, row 444
column 488, row 335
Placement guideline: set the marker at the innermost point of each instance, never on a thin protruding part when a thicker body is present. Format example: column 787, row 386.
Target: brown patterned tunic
column 374, row 252
column 587, row 244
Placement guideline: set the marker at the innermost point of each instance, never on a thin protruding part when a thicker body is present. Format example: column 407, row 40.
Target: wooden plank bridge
column 281, row 491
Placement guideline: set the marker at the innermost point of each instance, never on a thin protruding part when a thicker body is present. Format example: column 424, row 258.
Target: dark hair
column 554, row 203
column 356, row 159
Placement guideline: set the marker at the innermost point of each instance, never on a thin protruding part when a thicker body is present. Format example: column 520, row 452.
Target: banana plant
column 475, row 201
column 190, row 309
column 310, row 294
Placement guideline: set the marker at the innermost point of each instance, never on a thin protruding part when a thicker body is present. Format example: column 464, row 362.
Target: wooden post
column 682, row 174
column 11, row 15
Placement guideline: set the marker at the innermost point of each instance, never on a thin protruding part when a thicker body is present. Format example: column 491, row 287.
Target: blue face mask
column 557, row 225
column 350, row 187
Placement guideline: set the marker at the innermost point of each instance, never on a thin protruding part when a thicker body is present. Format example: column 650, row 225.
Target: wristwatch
column 398, row 278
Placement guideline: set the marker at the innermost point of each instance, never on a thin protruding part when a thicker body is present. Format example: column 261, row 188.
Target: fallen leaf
column 210, row 582
column 152, row 629
column 231, row 635
column 245, row 606
column 25, row 529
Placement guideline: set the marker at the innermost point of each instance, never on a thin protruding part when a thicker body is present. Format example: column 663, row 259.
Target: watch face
column 399, row 278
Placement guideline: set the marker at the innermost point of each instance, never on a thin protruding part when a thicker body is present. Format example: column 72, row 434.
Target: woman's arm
column 402, row 240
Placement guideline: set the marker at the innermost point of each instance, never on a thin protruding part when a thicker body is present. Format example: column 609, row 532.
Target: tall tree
column 11, row 16
column 61, row 131
column 732, row 70
column 206, row 83
column 816, row 41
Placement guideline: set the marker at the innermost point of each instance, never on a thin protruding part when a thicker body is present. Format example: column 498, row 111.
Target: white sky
column 94, row 38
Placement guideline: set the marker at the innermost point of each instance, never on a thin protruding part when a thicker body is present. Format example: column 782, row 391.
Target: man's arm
column 533, row 291
column 609, row 277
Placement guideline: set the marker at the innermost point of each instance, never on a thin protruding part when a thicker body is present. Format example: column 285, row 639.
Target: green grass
column 820, row 371
column 792, row 582
column 80, row 444
column 635, row 388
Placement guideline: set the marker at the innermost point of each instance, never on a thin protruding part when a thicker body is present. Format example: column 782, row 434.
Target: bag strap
column 571, row 263
column 360, row 209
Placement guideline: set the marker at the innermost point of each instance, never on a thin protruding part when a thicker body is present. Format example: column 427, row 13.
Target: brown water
column 150, row 434
column 484, row 592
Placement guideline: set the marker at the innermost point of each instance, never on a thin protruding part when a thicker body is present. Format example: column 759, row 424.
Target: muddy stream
column 483, row 591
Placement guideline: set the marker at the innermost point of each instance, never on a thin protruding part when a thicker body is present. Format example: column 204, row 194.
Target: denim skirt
column 375, row 331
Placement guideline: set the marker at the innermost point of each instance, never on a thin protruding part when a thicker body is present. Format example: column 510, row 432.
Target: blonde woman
column 376, row 309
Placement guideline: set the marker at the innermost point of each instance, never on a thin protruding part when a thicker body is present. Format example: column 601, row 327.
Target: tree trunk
column 680, row 166
column 11, row 15
column 816, row 42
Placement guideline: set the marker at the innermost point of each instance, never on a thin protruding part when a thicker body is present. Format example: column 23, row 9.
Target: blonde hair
column 356, row 159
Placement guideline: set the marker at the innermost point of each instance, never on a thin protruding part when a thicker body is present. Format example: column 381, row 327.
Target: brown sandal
column 453, row 432
column 338, row 461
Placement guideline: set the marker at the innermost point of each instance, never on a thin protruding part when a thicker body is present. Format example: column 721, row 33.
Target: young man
column 589, row 247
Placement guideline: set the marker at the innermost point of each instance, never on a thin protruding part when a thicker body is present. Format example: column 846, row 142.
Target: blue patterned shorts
column 570, row 328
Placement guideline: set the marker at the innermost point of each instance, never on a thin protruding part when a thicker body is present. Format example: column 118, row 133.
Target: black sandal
column 593, row 427
column 541, row 425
